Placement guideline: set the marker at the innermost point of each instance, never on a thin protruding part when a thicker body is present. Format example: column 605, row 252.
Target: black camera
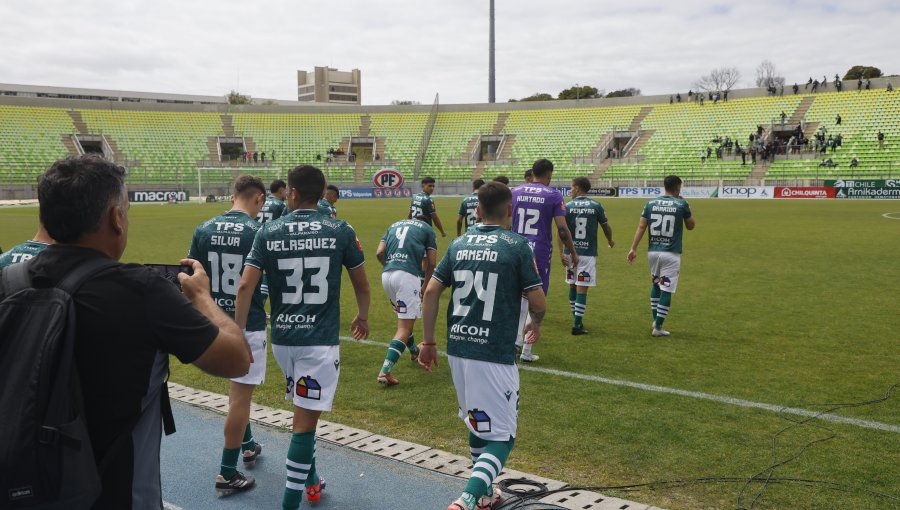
column 170, row 271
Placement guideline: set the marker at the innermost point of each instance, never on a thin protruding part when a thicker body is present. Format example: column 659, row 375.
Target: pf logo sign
column 388, row 178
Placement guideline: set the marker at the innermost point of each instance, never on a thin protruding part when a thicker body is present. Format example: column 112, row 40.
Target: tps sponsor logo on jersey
column 479, row 420
column 584, row 276
column 308, row 388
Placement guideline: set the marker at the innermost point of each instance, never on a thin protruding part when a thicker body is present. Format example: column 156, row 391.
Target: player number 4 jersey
column 302, row 256
column 405, row 243
column 665, row 222
column 583, row 215
column 488, row 269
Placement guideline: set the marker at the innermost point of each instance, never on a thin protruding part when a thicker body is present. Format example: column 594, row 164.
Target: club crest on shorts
column 400, row 307
column 479, row 420
column 307, row 387
column 584, row 276
column 662, row 281
column 569, row 274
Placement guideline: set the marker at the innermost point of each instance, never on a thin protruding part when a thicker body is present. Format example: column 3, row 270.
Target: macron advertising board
column 157, row 196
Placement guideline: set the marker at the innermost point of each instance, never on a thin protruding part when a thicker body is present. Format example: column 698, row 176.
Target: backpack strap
column 14, row 278
column 83, row 272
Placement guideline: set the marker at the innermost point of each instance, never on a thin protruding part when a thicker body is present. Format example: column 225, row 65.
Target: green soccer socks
column 662, row 308
column 229, row 462
column 301, row 468
column 578, row 309
column 487, row 467
column 395, row 350
column 654, row 299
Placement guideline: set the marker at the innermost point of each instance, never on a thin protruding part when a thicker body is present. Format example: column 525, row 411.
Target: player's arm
column 430, row 262
column 430, row 304
column 379, row 253
column 360, row 324
column 459, row 224
column 537, row 306
column 562, row 256
column 562, row 231
column 437, row 223
column 638, row 235
column 229, row 354
column 690, row 223
column 607, row 231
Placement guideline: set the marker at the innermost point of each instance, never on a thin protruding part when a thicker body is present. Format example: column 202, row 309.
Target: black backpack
column 46, row 458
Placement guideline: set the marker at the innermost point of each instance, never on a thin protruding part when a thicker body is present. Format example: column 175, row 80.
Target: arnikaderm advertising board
column 867, row 189
column 157, row 196
column 803, row 192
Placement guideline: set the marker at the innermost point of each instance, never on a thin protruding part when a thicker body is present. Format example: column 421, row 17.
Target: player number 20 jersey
column 665, row 222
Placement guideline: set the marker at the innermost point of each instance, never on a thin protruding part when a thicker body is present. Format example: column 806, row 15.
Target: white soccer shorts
column 585, row 275
column 405, row 292
column 664, row 268
column 257, row 373
column 311, row 374
column 488, row 397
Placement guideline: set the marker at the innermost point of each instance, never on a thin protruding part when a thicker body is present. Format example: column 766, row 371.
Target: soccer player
column 489, row 269
column 502, row 179
column 326, row 203
column 221, row 244
column 401, row 251
column 274, row 207
column 665, row 216
column 467, row 208
column 302, row 255
column 582, row 217
column 529, row 176
column 28, row 249
column 536, row 206
column 423, row 205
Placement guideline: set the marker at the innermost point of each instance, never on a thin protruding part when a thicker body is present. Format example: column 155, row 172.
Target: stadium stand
column 167, row 145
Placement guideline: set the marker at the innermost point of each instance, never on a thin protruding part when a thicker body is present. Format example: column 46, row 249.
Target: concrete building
column 328, row 85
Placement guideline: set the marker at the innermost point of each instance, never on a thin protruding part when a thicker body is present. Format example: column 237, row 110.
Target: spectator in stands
column 854, row 163
column 782, row 89
column 678, row 96
column 839, row 85
column 609, row 151
column 796, row 88
column 828, row 163
column 890, row 88
column 837, row 120
column 502, row 178
column 263, row 156
column 839, row 140
column 255, row 157
column 690, row 94
column 868, row 84
column 859, row 83
column 831, row 143
column 815, row 86
column 244, row 157
column 880, row 140
column 671, row 100
column 708, row 152
column 272, row 154
column 783, row 116
column 725, row 96
column 743, row 156
column 126, row 310
column 824, row 82
column 753, row 155
column 702, row 156
column 318, row 157
column 808, row 83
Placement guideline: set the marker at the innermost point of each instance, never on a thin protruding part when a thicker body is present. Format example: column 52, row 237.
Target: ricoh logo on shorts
column 297, row 318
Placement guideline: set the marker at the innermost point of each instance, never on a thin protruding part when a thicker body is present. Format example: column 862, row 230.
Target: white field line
column 867, row 424
column 170, row 506
column 891, row 215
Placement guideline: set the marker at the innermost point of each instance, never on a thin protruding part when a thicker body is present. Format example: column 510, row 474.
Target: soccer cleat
column 579, row 331
column 529, row 358
column 490, row 502
column 459, row 504
column 250, row 456
column 387, row 380
column 238, row 483
column 659, row 332
column 314, row 492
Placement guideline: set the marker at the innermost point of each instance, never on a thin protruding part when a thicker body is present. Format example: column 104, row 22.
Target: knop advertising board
column 746, row 192
column 803, row 192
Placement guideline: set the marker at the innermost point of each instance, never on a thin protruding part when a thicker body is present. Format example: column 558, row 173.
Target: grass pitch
column 791, row 303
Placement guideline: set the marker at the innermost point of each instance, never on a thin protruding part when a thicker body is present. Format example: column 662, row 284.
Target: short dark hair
column 528, row 173
column 76, row 192
column 542, row 167
column 671, row 181
column 477, row 183
column 583, row 183
column 422, row 217
column 428, row 180
column 502, row 179
column 309, row 182
column 247, row 185
column 334, row 188
column 493, row 197
column 276, row 185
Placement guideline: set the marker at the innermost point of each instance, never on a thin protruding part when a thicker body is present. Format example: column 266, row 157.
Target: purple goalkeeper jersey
column 534, row 207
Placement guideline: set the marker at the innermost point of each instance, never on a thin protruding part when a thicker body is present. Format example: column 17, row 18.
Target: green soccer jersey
column 583, row 215
column 21, row 253
column 302, row 255
column 422, row 205
column 405, row 243
column 665, row 220
column 467, row 209
column 271, row 210
column 488, row 269
column 327, row 208
column 221, row 244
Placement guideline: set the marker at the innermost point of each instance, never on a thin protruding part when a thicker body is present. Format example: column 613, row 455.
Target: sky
column 412, row 50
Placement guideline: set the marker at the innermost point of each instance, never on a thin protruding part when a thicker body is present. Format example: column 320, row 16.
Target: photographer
column 128, row 320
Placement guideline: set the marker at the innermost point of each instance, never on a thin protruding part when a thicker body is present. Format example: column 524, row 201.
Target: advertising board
column 700, row 192
column 375, row 193
column 641, row 192
column 746, row 191
column 803, row 192
column 147, row 196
